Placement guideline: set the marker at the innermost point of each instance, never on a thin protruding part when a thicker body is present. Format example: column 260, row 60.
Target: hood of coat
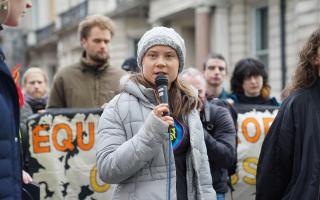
column 145, row 95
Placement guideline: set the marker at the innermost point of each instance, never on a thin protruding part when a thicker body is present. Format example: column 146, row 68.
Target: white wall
column 122, row 46
column 102, row 6
column 162, row 8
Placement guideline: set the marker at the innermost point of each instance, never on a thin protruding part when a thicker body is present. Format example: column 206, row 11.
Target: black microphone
column 162, row 89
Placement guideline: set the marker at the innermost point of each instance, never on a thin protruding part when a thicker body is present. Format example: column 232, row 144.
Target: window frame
column 261, row 48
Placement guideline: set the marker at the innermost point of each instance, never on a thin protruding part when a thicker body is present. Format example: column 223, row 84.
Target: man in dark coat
column 220, row 133
column 10, row 162
column 289, row 163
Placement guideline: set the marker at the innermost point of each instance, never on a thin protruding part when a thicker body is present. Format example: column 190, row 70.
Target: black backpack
column 208, row 118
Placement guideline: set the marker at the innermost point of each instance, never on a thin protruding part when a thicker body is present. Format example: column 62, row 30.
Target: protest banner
column 254, row 122
column 62, row 150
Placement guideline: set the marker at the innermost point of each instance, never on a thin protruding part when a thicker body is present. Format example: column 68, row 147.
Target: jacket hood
column 146, row 95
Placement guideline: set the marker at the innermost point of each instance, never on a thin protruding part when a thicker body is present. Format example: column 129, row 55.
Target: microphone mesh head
column 161, row 79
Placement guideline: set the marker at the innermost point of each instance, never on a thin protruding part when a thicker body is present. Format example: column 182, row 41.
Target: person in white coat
column 134, row 149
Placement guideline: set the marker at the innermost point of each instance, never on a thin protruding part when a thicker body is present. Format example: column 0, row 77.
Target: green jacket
column 84, row 86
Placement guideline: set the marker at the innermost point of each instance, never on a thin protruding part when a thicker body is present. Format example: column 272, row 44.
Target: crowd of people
column 183, row 148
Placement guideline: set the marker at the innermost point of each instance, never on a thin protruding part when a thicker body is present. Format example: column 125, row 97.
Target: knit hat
column 162, row 36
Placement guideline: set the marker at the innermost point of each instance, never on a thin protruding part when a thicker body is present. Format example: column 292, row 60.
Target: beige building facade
column 272, row 31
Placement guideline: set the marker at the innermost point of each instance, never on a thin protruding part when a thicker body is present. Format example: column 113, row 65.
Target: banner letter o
column 245, row 133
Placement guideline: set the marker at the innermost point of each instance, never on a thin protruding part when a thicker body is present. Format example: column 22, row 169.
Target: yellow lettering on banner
column 37, row 139
column 66, row 143
column 94, row 184
column 245, row 133
column 267, row 123
column 85, row 147
column 234, row 179
column 247, row 166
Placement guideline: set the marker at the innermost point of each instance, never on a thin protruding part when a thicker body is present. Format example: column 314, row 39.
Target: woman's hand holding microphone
column 160, row 111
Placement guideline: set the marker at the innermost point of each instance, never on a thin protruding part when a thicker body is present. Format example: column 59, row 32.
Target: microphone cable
column 169, row 165
column 162, row 89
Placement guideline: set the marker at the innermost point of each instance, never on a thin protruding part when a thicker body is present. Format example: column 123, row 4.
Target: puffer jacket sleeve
column 119, row 158
column 201, row 164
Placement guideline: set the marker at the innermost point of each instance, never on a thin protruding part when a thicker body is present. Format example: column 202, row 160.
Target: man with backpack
column 220, row 133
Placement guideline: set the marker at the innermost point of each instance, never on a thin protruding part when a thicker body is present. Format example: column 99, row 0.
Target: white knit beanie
column 162, row 36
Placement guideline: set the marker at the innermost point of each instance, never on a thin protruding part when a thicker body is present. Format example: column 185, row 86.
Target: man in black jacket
column 220, row 133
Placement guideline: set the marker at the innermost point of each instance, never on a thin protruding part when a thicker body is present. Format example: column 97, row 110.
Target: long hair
column 307, row 72
column 182, row 98
column 249, row 67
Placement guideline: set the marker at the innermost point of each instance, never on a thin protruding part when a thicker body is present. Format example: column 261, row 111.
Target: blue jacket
column 10, row 164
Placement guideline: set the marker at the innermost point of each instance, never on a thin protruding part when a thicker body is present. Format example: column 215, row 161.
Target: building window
column 261, row 34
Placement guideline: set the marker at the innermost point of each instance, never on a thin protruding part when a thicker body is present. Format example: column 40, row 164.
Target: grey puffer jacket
column 132, row 150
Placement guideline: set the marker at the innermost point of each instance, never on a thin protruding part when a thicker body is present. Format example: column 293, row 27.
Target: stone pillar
column 53, row 11
column 219, row 29
column 202, row 16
